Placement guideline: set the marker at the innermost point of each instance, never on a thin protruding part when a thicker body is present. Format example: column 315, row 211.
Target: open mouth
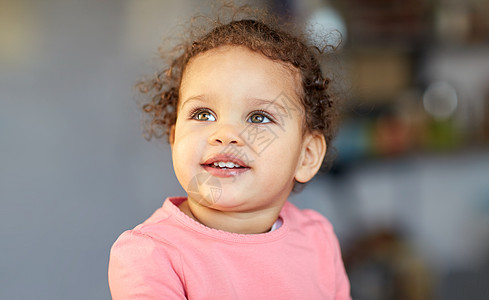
column 225, row 165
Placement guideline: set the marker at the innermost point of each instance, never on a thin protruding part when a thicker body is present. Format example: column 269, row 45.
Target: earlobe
column 313, row 151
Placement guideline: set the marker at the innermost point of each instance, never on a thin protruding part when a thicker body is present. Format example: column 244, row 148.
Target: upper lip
column 225, row 158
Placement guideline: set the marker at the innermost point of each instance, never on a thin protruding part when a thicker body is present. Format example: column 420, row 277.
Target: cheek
column 284, row 152
column 186, row 150
column 186, row 155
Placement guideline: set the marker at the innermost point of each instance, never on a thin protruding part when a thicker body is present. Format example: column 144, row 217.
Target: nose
column 226, row 134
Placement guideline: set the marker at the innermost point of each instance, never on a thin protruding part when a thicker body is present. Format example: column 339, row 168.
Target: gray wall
column 74, row 169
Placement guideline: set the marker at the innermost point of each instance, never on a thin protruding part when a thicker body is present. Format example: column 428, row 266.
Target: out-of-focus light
column 19, row 34
column 326, row 27
column 440, row 100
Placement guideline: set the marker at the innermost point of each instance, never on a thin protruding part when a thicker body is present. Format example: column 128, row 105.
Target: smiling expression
column 240, row 121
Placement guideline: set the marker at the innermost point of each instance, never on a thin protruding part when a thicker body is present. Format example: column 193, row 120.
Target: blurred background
column 408, row 194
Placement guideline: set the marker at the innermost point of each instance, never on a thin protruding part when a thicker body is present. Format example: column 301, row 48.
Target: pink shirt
column 171, row 256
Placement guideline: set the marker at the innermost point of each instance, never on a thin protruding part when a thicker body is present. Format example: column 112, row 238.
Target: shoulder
column 310, row 225
column 149, row 243
column 134, row 247
column 159, row 227
column 150, row 238
column 306, row 218
column 142, row 267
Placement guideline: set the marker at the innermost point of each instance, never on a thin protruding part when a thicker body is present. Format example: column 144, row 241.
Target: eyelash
column 264, row 113
column 195, row 111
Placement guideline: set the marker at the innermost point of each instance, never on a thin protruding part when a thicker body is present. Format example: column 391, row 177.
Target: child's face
column 238, row 108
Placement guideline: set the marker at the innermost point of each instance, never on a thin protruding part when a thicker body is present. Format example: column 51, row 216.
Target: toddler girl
column 248, row 116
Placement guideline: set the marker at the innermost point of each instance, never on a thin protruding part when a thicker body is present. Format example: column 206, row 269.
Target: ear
column 171, row 135
column 313, row 151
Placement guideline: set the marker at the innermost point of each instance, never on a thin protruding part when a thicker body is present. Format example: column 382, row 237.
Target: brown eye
column 204, row 115
column 259, row 118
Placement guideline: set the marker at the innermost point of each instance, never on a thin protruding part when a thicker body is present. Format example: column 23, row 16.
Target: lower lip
column 224, row 172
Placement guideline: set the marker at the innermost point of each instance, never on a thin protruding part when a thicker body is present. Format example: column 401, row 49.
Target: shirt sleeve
column 141, row 267
column 342, row 282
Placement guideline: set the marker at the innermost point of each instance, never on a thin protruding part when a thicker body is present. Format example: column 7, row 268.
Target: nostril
column 224, row 140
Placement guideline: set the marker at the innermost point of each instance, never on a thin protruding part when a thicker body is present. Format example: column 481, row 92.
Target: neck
column 249, row 222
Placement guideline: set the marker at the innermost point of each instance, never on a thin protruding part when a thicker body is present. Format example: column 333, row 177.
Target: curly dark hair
column 260, row 33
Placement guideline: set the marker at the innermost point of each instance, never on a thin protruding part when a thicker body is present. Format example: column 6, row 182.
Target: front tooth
column 222, row 164
column 229, row 165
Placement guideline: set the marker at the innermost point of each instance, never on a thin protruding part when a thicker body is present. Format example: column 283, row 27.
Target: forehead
column 238, row 70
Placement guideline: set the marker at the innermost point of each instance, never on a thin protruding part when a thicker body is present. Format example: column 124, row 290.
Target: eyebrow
column 254, row 101
column 259, row 101
column 194, row 98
